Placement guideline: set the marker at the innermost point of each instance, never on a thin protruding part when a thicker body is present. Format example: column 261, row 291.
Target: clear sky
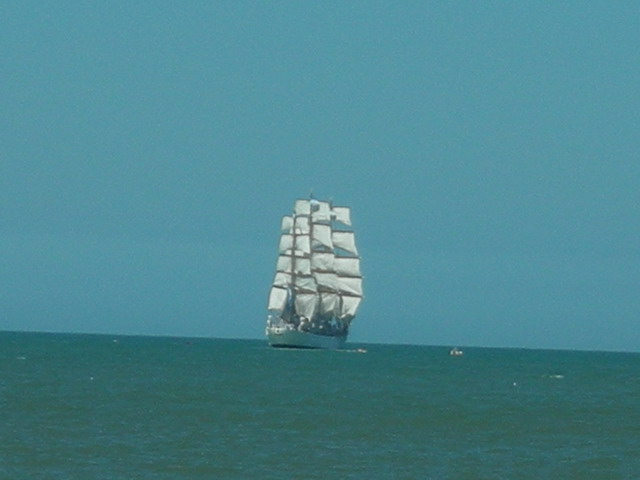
column 489, row 151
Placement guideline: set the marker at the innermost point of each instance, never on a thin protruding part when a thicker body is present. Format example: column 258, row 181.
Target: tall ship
column 317, row 288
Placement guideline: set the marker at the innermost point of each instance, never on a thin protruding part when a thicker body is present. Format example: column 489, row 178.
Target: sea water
column 118, row 407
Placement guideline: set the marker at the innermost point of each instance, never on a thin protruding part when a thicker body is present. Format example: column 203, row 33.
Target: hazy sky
column 489, row 150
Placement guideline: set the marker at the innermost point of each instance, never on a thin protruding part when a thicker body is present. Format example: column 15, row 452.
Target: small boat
column 455, row 352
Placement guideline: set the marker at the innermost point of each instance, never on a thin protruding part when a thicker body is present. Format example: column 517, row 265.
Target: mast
column 292, row 288
column 311, row 223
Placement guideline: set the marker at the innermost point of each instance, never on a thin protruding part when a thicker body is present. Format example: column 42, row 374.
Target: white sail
column 346, row 241
column 277, row 298
column 302, row 225
column 284, row 263
column 322, row 236
column 328, row 303
column 287, row 223
column 349, row 306
column 322, row 262
column 282, row 279
column 302, row 266
column 305, row 304
column 302, row 283
column 321, row 212
column 305, row 284
column 327, row 281
column 302, row 243
column 286, row 242
column 302, row 207
column 349, row 285
column 342, row 215
column 347, row 266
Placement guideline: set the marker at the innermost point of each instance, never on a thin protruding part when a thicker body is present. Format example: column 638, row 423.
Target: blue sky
column 489, row 151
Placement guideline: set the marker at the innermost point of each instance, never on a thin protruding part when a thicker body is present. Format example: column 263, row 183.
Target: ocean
column 121, row 407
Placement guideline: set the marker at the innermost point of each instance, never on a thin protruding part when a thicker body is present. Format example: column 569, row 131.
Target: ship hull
column 288, row 338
